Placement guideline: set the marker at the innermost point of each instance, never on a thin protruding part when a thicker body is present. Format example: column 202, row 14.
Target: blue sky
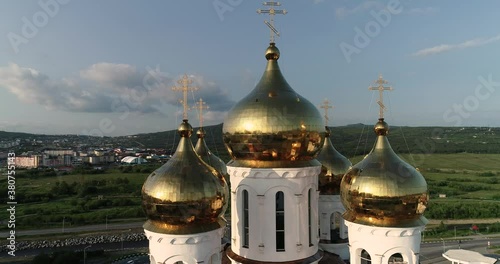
column 107, row 67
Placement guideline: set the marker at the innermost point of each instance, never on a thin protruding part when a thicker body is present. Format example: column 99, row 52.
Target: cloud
column 342, row 12
column 214, row 117
column 448, row 47
column 116, row 75
column 423, row 10
column 318, row 1
column 106, row 87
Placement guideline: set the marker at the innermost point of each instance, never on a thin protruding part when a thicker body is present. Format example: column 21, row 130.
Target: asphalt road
column 431, row 253
column 88, row 228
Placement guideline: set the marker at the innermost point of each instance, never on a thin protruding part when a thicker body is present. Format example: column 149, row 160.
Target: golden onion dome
column 382, row 189
column 273, row 126
column 185, row 195
column 333, row 167
column 207, row 156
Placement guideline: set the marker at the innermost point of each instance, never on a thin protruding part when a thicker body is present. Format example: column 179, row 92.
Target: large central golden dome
column 273, row 126
column 185, row 195
column 382, row 189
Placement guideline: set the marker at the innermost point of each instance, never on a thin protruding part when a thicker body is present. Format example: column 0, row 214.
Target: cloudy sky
column 107, row 67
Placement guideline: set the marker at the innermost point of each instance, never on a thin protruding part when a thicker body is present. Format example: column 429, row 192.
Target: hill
column 354, row 140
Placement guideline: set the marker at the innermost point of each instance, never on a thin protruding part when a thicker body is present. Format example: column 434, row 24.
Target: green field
column 45, row 201
column 471, row 183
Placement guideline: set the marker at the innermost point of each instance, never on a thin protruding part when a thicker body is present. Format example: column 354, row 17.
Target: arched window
column 280, row 221
column 309, row 215
column 396, row 259
column 246, row 230
column 365, row 257
column 335, row 222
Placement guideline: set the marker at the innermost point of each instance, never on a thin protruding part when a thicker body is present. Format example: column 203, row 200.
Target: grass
column 465, row 178
column 76, row 209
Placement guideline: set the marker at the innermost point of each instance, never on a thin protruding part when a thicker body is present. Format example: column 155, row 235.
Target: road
column 431, row 253
column 77, row 229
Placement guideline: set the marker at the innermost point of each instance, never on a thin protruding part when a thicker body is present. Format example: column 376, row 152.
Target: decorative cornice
column 276, row 173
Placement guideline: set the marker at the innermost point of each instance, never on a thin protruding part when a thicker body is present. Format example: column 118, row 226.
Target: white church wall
column 190, row 249
column 262, row 186
column 382, row 242
column 328, row 206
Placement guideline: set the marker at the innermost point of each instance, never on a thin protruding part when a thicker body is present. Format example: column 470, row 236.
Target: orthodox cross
column 272, row 11
column 184, row 82
column 200, row 105
column 380, row 88
column 326, row 105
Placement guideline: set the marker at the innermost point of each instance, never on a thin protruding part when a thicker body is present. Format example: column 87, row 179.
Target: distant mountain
column 4, row 135
column 351, row 140
column 358, row 139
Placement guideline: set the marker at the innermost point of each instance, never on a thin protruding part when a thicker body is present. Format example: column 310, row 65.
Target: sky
column 106, row 68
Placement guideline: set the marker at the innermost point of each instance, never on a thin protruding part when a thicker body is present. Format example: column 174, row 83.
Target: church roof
column 273, row 126
column 185, row 195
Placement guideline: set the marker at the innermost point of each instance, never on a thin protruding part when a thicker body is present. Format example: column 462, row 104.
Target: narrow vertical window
column 309, row 215
column 246, row 230
column 280, row 221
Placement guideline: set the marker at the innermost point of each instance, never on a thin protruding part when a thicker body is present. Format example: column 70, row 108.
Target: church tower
column 273, row 136
column 184, row 201
column 201, row 147
column 332, row 230
column 384, row 198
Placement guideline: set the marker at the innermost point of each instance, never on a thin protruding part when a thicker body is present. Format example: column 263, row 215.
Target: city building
column 29, row 162
column 129, row 160
column 462, row 256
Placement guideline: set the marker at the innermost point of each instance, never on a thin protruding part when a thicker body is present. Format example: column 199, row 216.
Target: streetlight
column 443, row 244
column 85, row 254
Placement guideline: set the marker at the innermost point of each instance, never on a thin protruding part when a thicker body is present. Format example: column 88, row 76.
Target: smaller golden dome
column 207, row 156
column 382, row 189
column 185, row 195
column 334, row 166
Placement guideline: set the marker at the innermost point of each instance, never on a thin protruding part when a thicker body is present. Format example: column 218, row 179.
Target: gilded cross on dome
column 200, row 105
column 272, row 11
column 380, row 88
column 326, row 105
column 185, row 88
